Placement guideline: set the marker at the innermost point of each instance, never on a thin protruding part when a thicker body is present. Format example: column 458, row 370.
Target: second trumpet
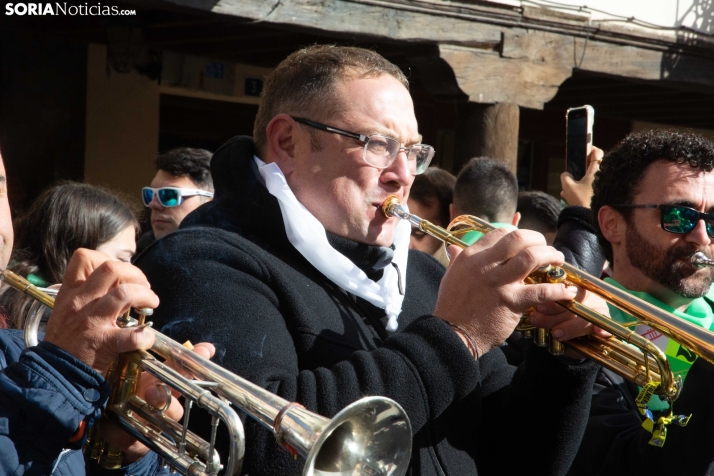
column 644, row 364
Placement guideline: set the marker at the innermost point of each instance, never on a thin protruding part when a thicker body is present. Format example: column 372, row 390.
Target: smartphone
column 579, row 139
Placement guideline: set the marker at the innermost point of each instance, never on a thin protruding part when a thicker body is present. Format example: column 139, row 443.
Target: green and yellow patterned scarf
column 680, row 358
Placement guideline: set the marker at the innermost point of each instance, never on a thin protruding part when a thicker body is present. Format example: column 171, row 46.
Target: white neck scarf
column 308, row 236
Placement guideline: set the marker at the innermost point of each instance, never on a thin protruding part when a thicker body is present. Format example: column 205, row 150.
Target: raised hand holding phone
column 579, row 139
column 582, row 158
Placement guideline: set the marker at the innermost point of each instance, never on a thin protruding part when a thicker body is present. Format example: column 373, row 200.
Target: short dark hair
column 623, row 168
column 305, row 82
column 539, row 211
column 486, row 188
column 434, row 184
column 187, row 162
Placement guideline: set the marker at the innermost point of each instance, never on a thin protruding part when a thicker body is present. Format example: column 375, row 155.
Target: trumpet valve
column 525, row 327
column 555, row 347
column 556, row 275
column 541, row 337
column 143, row 312
column 540, row 275
column 527, row 333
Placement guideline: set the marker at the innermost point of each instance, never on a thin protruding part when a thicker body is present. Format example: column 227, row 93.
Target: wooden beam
column 493, row 61
column 623, row 101
column 361, row 19
column 702, row 104
column 185, row 36
column 487, row 77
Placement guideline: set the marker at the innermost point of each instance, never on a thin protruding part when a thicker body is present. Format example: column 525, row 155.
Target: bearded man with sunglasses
column 308, row 290
column 653, row 208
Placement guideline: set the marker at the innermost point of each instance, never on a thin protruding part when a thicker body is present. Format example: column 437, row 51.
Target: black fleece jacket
column 231, row 277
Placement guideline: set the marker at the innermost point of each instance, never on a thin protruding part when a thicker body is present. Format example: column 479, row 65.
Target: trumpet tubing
column 370, row 436
column 613, row 353
column 316, row 438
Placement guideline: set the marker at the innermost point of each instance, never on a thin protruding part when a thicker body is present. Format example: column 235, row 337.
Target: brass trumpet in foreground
column 648, row 365
column 370, row 436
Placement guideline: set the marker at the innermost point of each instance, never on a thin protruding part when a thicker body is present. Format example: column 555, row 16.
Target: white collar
column 308, row 236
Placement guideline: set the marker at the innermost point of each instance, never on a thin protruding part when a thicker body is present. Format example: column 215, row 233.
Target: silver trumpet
column 371, row 436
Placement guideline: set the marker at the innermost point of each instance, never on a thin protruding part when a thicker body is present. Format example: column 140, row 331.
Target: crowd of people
column 274, row 254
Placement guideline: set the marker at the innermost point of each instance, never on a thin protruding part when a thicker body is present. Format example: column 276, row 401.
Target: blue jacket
column 44, row 394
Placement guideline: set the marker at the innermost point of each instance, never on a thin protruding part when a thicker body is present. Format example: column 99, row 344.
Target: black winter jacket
column 231, row 277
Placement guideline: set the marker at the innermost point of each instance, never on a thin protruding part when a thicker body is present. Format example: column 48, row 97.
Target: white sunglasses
column 171, row 196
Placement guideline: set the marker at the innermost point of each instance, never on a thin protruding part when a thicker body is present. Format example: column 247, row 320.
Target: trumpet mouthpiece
column 700, row 260
column 389, row 206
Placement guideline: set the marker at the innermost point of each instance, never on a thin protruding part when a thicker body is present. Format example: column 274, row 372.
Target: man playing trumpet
column 309, row 291
column 652, row 207
column 51, row 394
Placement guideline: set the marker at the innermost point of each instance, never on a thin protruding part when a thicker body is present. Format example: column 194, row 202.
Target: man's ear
column 612, row 224
column 516, row 219
column 452, row 212
column 280, row 147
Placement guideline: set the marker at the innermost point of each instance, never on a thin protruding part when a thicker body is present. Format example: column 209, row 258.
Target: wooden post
column 489, row 130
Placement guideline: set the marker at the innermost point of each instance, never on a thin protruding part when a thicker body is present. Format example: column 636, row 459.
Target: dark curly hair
column 623, row 168
column 187, row 162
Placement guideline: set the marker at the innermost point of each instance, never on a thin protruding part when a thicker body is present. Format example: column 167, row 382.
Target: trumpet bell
column 372, row 436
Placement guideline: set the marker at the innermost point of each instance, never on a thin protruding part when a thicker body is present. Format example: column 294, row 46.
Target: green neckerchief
column 680, row 359
column 473, row 236
column 37, row 280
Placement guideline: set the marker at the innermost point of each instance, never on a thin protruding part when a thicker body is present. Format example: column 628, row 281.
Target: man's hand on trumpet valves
column 153, row 392
column 483, row 291
column 564, row 325
column 94, row 292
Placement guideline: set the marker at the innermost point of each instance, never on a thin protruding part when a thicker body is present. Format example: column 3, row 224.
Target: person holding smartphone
column 575, row 235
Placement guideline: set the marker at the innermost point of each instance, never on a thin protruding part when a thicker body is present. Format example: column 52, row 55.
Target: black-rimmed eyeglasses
column 679, row 219
column 379, row 150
